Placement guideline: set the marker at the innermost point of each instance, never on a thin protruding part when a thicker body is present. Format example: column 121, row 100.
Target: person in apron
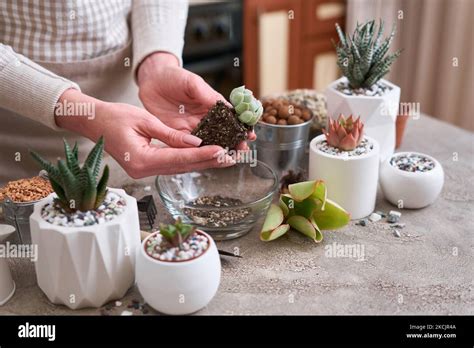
column 131, row 92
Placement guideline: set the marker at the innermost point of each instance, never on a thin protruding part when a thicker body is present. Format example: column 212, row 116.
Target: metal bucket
column 18, row 215
column 282, row 147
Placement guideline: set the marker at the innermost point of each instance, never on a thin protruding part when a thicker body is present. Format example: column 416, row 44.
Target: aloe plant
column 305, row 209
column 175, row 234
column 248, row 108
column 363, row 57
column 77, row 187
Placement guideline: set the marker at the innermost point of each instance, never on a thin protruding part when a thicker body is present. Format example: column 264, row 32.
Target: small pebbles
column 412, row 163
column 381, row 213
column 364, row 147
column 393, row 216
column 374, row 217
column 112, row 206
column 118, row 303
column 362, row 222
column 377, row 89
column 216, row 217
column 396, row 233
column 126, row 313
column 159, row 249
column 398, row 225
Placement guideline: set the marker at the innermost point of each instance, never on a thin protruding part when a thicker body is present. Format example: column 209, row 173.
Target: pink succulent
column 345, row 134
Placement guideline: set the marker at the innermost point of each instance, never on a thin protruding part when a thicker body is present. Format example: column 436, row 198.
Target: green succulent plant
column 363, row 57
column 248, row 108
column 77, row 187
column 305, row 209
column 175, row 234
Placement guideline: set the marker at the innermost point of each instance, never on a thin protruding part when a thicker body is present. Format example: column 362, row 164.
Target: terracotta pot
column 400, row 129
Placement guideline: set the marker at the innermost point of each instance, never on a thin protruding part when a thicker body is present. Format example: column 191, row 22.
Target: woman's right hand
column 128, row 130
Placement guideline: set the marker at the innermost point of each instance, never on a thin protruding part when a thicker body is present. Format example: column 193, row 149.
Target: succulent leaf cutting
column 344, row 133
column 363, row 57
column 177, row 233
column 76, row 187
column 305, row 209
column 228, row 126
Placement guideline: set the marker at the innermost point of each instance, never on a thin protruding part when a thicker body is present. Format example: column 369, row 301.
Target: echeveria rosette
column 345, row 133
column 248, row 108
column 305, row 209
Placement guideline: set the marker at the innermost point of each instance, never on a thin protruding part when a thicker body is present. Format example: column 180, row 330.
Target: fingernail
column 219, row 153
column 192, row 140
column 228, row 161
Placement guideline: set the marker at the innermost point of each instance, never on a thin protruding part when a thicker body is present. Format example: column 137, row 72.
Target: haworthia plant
column 77, row 187
column 363, row 57
column 248, row 108
column 177, row 233
column 305, row 209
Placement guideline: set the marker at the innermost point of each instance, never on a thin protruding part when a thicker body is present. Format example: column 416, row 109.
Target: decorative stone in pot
column 411, row 179
column 348, row 162
column 363, row 61
column 87, row 234
column 178, row 269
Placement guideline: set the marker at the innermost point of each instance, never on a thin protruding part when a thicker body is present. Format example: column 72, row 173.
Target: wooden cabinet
column 287, row 43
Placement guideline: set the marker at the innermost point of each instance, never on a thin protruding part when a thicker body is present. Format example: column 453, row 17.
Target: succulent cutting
column 305, row 209
column 344, row 133
column 228, row 126
column 177, row 233
column 363, row 57
column 76, row 187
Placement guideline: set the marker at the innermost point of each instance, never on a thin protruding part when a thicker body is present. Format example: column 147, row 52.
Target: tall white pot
column 378, row 113
column 351, row 181
column 86, row 266
column 179, row 287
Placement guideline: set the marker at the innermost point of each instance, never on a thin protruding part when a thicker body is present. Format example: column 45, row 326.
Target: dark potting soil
column 221, row 127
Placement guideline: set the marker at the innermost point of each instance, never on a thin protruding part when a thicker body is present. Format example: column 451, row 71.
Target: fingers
column 199, row 90
column 170, row 136
column 155, row 160
column 252, row 136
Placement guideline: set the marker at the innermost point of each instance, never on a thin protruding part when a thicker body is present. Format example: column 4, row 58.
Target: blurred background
column 277, row 45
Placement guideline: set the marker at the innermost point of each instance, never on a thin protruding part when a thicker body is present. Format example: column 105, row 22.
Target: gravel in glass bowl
column 224, row 202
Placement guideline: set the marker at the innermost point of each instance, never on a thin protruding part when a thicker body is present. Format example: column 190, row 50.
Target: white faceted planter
column 86, row 266
column 351, row 181
column 411, row 190
column 179, row 287
column 378, row 113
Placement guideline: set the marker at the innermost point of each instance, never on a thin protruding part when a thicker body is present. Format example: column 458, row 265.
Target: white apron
column 108, row 78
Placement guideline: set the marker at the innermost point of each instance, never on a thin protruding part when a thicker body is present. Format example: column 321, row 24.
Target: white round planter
column 412, row 190
column 378, row 113
column 351, row 181
column 86, row 266
column 179, row 287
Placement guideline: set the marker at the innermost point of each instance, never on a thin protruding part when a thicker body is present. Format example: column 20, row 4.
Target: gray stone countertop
column 427, row 270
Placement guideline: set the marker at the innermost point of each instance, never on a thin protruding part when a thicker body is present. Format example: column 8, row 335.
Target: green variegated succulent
column 77, row 187
column 305, row 209
column 177, row 233
column 363, row 57
column 248, row 108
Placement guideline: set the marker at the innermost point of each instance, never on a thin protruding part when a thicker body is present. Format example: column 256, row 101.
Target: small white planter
column 179, row 287
column 351, row 181
column 378, row 113
column 86, row 266
column 412, row 190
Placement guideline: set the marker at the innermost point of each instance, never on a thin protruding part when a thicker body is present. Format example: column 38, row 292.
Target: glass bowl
column 224, row 202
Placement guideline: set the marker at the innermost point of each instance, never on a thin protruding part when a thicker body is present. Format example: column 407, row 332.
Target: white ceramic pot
column 378, row 113
column 86, row 266
column 351, row 181
column 179, row 287
column 411, row 190
column 7, row 285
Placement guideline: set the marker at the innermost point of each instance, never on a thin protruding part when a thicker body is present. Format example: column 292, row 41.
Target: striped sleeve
column 28, row 89
column 158, row 25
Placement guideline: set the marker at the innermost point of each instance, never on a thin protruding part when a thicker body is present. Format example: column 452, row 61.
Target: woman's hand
column 178, row 97
column 128, row 131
